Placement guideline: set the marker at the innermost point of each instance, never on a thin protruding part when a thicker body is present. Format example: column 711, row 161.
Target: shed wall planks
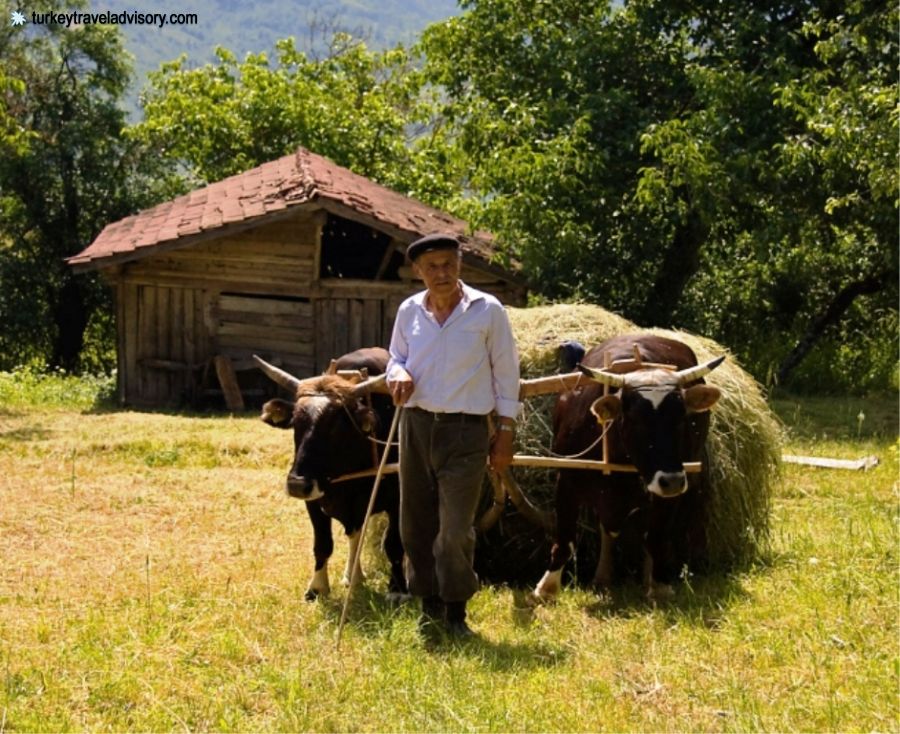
column 257, row 292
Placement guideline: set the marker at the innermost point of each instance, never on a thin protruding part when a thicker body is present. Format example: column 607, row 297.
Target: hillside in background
column 254, row 26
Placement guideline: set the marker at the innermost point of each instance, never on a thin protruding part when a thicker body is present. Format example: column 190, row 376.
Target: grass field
column 153, row 573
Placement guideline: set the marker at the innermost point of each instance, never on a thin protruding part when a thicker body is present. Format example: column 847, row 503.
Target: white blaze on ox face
column 314, row 406
column 654, row 386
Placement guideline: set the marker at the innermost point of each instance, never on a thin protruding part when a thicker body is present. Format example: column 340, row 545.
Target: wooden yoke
column 559, row 384
column 605, row 425
column 621, row 367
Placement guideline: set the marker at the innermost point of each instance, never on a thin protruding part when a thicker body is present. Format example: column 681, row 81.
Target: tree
column 65, row 171
column 708, row 164
column 360, row 108
column 795, row 174
column 547, row 101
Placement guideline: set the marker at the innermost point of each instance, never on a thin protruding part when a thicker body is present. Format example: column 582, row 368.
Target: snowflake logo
column 16, row 18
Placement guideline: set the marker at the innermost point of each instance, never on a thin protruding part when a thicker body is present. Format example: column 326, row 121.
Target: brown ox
column 332, row 424
column 659, row 421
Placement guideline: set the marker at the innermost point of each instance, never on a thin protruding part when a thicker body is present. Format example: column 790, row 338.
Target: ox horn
column 695, row 373
column 373, row 384
column 606, row 378
column 278, row 375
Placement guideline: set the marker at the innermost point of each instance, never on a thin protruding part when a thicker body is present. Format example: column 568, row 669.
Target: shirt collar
column 469, row 296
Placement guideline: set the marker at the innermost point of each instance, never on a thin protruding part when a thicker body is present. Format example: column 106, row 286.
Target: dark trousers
column 443, row 458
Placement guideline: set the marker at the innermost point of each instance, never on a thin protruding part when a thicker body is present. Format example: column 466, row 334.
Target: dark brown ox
column 333, row 423
column 659, row 421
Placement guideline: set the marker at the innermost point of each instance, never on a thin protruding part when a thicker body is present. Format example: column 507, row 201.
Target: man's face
column 440, row 271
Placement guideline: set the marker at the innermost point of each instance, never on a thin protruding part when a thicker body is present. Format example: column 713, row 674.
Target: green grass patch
column 154, row 572
column 27, row 386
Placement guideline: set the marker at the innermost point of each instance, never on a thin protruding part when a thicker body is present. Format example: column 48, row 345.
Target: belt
column 451, row 417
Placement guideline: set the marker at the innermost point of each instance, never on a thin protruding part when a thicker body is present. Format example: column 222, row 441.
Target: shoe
column 456, row 621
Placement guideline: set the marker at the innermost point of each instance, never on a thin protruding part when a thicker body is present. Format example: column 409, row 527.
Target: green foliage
column 33, row 385
column 354, row 106
column 724, row 168
column 257, row 24
column 721, row 167
column 861, row 354
column 65, row 172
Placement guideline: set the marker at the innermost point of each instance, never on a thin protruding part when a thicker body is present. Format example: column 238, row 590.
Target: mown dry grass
column 153, row 573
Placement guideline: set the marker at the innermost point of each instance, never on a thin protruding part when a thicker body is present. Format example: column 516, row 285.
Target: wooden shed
column 298, row 260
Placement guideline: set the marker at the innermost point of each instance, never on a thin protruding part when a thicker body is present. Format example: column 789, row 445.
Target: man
column 453, row 362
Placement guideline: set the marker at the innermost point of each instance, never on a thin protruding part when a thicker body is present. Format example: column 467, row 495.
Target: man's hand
column 502, row 446
column 401, row 387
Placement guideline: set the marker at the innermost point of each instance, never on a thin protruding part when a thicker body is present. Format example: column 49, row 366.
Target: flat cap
column 431, row 242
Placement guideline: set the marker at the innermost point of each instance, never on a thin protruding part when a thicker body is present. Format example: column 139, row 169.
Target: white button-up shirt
column 467, row 365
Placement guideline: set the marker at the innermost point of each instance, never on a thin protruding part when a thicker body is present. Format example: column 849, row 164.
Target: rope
column 362, row 432
column 382, row 443
column 582, row 453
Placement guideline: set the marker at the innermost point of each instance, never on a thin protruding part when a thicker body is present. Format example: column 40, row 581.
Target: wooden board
column 228, row 380
column 543, row 462
column 551, row 384
column 553, row 462
column 346, row 324
column 864, row 464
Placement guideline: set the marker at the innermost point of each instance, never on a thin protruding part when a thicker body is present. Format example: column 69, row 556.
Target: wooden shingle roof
column 255, row 196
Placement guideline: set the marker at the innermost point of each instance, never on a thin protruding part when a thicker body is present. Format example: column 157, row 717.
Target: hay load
column 744, row 449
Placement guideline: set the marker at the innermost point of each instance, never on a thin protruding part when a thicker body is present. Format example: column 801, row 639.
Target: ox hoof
column 548, row 587
column 314, row 594
column 360, row 577
column 660, row 592
column 523, row 608
column 538, row 597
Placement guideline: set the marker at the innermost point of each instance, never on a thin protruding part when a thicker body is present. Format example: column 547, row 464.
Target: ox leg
column 603, row 577
column 659, row 552
column 563, row 549
column 323, row 546
column 655, row 590
column 353, row 539
column 393, row 549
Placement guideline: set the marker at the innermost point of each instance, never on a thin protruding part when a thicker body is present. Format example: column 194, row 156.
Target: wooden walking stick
column 354, row 571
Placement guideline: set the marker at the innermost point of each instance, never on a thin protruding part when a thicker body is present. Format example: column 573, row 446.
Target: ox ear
column 365, row 418
column 700, row 398
column 606, row 408
column 277, row 413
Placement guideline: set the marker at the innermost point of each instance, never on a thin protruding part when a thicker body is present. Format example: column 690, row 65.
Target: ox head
column 651, row 408
column 331, row 422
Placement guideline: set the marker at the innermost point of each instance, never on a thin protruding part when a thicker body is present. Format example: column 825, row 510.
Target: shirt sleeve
column 399, row 348
column 504, row 364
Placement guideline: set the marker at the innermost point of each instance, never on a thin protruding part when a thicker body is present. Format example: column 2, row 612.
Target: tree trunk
column 830, row 315
column 70, row 318
column 70, row 314
column 679, row 264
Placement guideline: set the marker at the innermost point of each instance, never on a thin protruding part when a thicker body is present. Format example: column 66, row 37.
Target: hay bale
column 541, row 329
column 744, row 447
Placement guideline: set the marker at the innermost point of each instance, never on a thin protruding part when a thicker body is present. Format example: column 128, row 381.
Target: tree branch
column 830, row 315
